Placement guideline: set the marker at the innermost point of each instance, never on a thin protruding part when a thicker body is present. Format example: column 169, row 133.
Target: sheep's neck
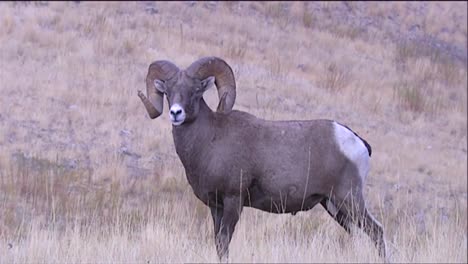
column 189, row 138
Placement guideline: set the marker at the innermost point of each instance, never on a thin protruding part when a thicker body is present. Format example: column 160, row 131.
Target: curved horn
column 224, row 78
column 161, row 70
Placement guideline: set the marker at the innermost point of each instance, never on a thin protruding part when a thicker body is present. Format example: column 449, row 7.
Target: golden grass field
column 87, row 177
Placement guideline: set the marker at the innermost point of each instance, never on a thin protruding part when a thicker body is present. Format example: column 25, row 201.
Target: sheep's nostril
column 176, row 112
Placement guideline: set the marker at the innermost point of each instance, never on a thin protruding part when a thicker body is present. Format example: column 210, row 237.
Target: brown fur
column 233, row 159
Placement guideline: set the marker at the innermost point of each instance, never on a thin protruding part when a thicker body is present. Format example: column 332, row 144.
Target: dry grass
column 335, row 78
column 86, row 177
column 307, row 17
column 165, row 235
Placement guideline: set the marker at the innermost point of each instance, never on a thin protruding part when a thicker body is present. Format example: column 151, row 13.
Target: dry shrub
column 273, row 9
column 8, row 24
column 421, row 96
column 404, row 51
column 410, row 97
column 335, row 78
column 350, row 32
column 278, row 13
column 236, row 49
column 230, row 5
column 307, row 18
column 428, row 80
column 448, row 71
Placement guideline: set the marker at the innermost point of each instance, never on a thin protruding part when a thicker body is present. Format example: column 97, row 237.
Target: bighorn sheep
column 233, row 159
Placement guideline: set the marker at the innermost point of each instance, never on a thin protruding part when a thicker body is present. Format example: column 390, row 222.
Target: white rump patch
column 332, row 208
column 353, row 148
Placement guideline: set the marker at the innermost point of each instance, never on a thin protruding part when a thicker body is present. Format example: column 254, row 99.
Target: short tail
column 369, row 149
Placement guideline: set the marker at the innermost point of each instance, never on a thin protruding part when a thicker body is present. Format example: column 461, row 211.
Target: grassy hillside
column 86, row 176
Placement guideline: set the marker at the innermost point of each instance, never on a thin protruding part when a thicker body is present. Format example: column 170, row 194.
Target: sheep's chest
column 206, row 171
column 209, row 190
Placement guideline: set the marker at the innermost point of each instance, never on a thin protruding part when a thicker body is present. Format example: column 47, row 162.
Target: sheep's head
column 184, row 89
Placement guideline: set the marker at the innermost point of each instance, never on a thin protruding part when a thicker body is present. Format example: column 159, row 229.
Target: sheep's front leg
column 232, row 209
column 217, row 215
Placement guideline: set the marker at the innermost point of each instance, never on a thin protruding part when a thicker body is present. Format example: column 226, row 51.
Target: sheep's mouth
column 176, row 122
column 178, row 119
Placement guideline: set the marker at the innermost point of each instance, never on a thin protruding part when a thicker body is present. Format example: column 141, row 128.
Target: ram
column 234, row 159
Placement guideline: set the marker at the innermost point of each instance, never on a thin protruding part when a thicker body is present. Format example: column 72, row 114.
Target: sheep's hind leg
column 354, row 207
column 232, row 210
column 374, row 230
column 340, row 217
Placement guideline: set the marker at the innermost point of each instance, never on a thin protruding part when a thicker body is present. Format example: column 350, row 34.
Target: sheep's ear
column 207, row 84
column 160, row 86
column 222, row 103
